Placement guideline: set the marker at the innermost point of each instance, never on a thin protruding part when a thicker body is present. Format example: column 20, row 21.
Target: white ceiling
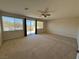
column 63, row 8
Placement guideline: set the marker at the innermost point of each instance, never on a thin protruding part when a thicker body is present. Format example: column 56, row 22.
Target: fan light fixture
column 45, row 12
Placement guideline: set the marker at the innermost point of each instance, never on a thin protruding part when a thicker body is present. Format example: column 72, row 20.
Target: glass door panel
column 30, row 26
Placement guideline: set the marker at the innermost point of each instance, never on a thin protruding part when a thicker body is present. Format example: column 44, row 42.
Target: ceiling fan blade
column 48, row 14
column 45, row 12
column 40, row 11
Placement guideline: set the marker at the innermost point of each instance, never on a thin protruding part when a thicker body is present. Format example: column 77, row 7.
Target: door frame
column 25, row 27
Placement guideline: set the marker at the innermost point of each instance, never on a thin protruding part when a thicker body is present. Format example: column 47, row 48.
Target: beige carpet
column 42, row 46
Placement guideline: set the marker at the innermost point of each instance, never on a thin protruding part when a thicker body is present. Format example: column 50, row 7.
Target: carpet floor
column 41, row 46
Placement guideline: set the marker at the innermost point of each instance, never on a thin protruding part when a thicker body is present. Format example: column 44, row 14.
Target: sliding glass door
column 30, row 26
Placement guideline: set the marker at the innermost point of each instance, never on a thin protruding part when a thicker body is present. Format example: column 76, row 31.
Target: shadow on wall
column 0, row 32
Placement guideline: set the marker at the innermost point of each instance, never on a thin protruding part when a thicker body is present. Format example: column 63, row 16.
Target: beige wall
column 40, row 31
column 13, row 34
column 65, row 27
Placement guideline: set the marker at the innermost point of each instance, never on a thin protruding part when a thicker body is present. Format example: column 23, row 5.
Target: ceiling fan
column 45, row 13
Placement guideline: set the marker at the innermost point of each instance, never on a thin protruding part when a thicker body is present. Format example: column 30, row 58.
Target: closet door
column 30, row 26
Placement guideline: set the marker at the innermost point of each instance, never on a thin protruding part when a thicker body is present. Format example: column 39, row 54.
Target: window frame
column 14, row 24
column 42, row 26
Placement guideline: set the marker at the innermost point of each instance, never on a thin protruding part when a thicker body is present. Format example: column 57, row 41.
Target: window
column 11, row 24
column 18, row 24
column 39, row 25
column 8, row 23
